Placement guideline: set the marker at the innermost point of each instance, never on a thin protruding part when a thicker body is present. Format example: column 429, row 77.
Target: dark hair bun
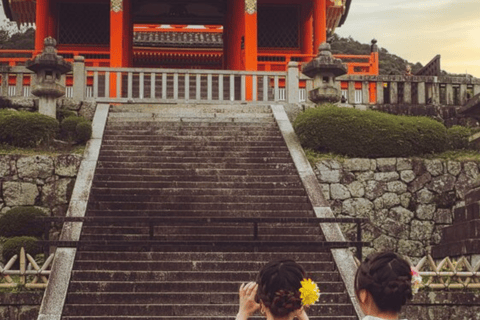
column 387, row 276
column 278, row 286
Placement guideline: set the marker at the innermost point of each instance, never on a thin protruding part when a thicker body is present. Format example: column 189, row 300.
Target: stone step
column 190, row 113
column 188, row 198
column 113, row 205
column 314, row 317
column 194, row 186
column 159, row 172
column 133, row 164
column 122, row 136
column 112, row 144
column 180, row 159
column 197, row 191
column 200, row 213
column 121, row 177
column 200, row 154
column 194, row 107
column 158, row 146
column 257, row 118
column 128, row 125
column 193, row 266
column 208, row 256
column 193, row 310
column 227, row 131
column 156, row 276
column 215, row 297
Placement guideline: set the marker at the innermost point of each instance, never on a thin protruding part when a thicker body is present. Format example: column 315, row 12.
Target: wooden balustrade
column 29, row 275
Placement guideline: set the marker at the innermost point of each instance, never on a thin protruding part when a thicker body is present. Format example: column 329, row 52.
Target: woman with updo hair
column 281, row 292
column 383, row 284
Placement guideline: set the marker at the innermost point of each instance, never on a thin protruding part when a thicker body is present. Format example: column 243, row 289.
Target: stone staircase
column 193, row 162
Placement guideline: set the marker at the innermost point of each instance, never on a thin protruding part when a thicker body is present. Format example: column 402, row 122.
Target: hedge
column 458, row 137
column 20, row 221
column 26, row 129
column 76, row 129
column 12, row 247
column 368, row 133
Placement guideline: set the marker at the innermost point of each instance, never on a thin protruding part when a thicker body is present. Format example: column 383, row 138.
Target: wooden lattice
column 29, row 276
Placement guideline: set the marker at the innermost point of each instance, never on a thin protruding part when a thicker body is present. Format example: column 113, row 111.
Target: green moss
column 21, row 221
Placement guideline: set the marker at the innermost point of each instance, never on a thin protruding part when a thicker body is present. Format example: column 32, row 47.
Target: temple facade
column 206, row 34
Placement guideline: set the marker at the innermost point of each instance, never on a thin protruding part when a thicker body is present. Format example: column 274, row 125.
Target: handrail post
column 79, row 81
column 293, row 83
column 359, row 239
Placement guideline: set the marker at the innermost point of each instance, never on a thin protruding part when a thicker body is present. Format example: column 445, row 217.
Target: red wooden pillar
column 120, row 39
column 307, row 15
column 319, row 23
column 251, row 44
column 42, row 17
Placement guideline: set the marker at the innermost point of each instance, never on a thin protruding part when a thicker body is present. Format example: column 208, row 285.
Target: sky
column 418, row 30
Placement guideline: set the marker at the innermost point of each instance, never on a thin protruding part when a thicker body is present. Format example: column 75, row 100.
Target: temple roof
column 178, row 39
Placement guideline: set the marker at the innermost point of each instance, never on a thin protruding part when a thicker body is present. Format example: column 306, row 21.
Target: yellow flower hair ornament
column 309, row 292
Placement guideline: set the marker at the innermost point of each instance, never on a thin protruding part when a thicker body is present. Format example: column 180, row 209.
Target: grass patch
column 457, row 155
column 10, row 150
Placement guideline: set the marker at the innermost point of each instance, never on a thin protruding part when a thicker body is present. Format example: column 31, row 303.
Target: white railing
column 28, row 275
column 174, row 85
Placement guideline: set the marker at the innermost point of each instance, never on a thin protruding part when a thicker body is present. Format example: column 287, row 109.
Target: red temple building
column 197, row 34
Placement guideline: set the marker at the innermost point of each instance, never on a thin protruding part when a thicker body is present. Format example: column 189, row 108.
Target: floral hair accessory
column 416, row 280
column 309, row 292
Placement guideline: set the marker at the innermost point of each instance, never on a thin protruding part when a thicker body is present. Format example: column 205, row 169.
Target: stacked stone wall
column 408, row 201
column 41, row 180
column 443, row 305
column 20, row 306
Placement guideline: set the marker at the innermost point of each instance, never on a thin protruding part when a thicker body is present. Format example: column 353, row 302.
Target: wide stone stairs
column 183, row 162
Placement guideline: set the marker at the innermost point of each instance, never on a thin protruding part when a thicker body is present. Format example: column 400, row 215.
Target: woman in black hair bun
column 281, row 292
column 383, row 284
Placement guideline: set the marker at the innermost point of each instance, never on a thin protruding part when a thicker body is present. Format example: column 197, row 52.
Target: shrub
column 12, row 247
column 64, row 113
column 84, row 131
column 26, row 129
column 458, row 137
column 76, row 129
column 369, row 133
column 20, row 221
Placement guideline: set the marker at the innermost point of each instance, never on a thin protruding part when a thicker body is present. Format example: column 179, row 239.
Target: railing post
column 421, row 92
column 351, row 92
column 380, row 92
column 463, row 94
column 449, row 94
column 79, row 81
column 19, row 85
column 365, row 93
column 407, row 92
column 393, row 87
column 436, row 91
column 4, row 74
column 293, row 83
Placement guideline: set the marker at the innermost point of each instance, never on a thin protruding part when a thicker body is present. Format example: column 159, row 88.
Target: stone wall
column 42, row 181
column 444, row 305
column 408, row 201
column 20, row 306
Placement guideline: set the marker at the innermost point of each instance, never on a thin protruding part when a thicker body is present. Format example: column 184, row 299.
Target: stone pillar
column 19, row 85
column 351, row 92
column 435, row 92
column 449, row 94
column 293, row 83
column 365, row 93
column 380, row 92
column 407, row 92
column 79, row 81
column 421, row 92
column 393, row 92
column 463, row 94
column 476, row 89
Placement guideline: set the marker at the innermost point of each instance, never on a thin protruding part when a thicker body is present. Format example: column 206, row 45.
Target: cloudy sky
column 417, row 30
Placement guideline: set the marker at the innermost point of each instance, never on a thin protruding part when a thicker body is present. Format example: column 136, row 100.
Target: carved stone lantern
column 324, row 68
column 49, row 68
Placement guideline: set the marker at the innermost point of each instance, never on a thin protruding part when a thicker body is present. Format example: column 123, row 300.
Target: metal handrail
column 155, row 221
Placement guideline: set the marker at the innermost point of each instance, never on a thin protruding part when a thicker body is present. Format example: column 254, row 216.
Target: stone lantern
column 324, row 68
column 49, row 68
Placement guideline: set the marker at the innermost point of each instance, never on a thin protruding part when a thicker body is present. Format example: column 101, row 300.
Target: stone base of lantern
column 325, row 95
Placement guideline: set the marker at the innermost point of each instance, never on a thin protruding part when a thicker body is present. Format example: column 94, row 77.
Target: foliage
column 26, row 129
column 20, row 221
column 388, row 63
column 358, row 133
column 76, row 129
column 13, row 245
column 22, row 40
column 64, row 113
column 458, row 137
